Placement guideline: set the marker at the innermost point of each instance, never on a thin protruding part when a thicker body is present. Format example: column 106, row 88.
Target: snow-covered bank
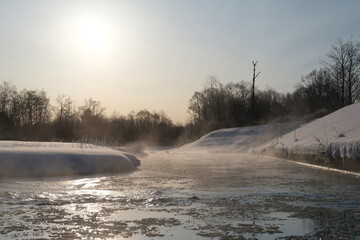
column 240, row 139
column 336, row 135
column 333, row 140
column 50, row 158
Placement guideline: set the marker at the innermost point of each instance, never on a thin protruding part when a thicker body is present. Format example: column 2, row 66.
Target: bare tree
column 36, row 107
column 353, row 70
column 7, row 91
column 92, row 108
column 344, row 66
column 196, row 106
column 64, row 110
column 255, row 75
column 337, row 66
column 92, row 118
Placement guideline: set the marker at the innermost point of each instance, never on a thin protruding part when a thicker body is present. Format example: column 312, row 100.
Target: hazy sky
column 138, row 54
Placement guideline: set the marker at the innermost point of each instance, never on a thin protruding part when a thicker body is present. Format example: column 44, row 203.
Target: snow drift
column 50, row 159
column 240, row 139
column 336, row 135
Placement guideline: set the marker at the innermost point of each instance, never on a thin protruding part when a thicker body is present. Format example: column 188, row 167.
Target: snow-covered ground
column 239, row 139
column 55, row 158
column 336, row 135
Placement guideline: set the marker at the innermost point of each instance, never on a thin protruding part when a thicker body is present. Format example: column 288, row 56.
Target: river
column 176, row 195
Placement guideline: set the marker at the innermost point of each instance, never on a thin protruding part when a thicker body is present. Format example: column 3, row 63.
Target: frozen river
column 186, row 196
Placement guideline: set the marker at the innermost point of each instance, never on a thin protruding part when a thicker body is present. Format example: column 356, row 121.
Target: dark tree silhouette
column 255, row 75
column 344, row 66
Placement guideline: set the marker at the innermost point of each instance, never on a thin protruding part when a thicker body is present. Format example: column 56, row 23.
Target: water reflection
column 84, row 182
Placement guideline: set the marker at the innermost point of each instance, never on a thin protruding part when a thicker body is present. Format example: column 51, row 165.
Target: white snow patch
column 54, row 158
column 337, row 135
column 240, row 139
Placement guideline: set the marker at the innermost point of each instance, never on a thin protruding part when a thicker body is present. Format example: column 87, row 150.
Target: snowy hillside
column 49, row 158
column 336, row 135
column 240, row 139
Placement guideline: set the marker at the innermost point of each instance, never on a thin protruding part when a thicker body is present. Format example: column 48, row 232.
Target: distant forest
column 28, row 114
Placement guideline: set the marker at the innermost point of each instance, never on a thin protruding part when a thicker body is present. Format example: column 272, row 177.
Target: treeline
column 332, row 86
column 28, row 114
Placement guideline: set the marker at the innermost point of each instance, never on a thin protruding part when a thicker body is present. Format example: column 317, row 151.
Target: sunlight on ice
column 84, row 183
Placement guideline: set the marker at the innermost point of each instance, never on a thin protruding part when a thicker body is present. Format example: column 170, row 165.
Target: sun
column 92, row 34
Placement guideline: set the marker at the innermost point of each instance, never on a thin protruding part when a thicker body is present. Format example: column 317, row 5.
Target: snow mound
column 336, row 135
column 240, row 139
column 51, row 159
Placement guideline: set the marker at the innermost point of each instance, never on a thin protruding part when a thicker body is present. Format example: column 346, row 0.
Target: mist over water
column 176, row 195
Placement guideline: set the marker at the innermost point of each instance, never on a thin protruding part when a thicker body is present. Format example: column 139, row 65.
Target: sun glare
column 92, row 34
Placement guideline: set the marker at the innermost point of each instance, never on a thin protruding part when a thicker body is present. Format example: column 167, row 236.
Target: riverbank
column 331, row 141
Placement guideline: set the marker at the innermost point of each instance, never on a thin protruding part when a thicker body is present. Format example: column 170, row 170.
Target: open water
column 186, row 196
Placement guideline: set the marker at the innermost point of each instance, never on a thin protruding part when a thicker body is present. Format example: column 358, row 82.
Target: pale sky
column 144, row 54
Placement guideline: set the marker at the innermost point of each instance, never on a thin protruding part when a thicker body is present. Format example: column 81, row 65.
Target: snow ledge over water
column 55, row 158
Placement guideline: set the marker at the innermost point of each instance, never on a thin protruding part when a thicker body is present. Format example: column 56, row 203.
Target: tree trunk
column 253, row 87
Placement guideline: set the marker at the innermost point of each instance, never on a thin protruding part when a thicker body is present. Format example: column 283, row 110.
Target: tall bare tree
column 344, row 66
column 255, row 75
column 353, row 71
